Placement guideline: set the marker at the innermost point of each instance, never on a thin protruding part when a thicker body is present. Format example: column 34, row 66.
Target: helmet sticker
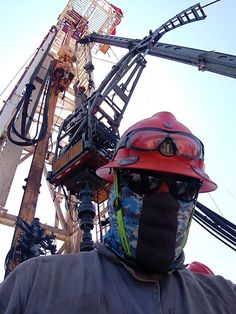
column 128, row 161
column 168, row 147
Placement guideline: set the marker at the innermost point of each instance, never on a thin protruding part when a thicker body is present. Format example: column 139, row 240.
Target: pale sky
column 205, row 102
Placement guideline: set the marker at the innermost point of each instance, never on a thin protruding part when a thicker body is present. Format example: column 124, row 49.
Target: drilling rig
column 86, row 137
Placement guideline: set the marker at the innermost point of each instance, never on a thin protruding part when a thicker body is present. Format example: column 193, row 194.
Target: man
column 80, row 96
column 158, row 171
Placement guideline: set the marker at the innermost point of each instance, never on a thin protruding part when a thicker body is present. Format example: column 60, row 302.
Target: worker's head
column 158, row 171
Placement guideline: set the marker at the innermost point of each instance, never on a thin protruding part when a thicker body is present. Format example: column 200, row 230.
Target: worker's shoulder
column 58, row 261
column 70, row 258
column 210, row 282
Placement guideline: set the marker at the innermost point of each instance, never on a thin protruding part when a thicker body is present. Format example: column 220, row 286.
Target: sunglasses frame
column 125, row 173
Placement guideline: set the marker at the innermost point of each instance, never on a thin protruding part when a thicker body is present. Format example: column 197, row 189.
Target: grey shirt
column 97, row 282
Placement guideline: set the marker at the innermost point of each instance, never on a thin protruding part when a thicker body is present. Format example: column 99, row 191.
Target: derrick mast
column 41, row 100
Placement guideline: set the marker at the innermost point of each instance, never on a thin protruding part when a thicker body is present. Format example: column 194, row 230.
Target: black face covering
column 157, row 233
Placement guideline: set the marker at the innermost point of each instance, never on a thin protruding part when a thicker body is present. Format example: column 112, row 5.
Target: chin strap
column 119, row 215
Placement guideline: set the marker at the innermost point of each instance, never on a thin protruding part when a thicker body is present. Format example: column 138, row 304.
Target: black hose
column 218, row 226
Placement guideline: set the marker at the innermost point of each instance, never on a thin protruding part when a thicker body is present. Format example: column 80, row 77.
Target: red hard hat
column 200, row 268
column 163, row 144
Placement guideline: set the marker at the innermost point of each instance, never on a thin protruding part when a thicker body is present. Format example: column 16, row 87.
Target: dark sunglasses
column 145, row 182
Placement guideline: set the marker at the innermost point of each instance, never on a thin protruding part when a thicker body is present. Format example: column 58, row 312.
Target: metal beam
column 10, row 221
column 212, row 61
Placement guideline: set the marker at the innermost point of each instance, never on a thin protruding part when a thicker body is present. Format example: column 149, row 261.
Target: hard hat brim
column 170, row 165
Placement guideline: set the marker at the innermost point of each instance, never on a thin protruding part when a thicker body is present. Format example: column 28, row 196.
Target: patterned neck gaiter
column 156, row 227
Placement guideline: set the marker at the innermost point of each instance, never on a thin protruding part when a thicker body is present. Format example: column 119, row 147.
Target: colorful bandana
column 131, row 204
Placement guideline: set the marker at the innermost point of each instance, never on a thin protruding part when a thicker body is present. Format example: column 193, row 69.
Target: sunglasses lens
column 142, row 183
column 184, row 190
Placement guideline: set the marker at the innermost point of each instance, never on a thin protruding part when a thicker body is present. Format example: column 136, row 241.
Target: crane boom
column 212, row 61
